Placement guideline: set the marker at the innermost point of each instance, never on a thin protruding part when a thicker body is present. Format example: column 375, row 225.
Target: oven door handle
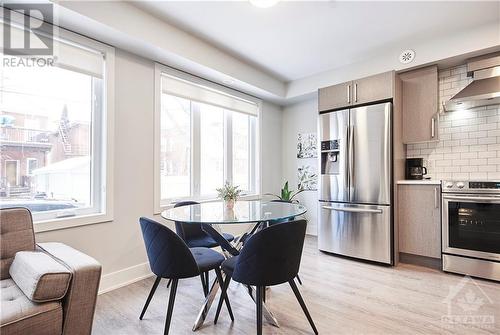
column 471, row 198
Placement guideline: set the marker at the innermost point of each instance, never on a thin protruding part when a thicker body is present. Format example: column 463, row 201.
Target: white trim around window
column 215, row 95
column 102, row 145
column 102, row 132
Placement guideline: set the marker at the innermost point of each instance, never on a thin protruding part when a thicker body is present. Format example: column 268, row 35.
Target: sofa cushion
column 39, row 276
column 19, row 315
column 16, row 234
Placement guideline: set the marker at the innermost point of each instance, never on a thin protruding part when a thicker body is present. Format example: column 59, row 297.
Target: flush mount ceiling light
column 407, row 56
column 263, row 3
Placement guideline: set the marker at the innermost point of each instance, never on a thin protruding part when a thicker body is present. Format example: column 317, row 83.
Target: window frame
column 255, row 136
column 102, row 145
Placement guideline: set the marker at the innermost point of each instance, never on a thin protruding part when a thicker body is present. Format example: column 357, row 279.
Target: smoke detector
column 407, row 56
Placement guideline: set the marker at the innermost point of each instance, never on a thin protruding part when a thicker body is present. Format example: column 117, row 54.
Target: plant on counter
column 286, row 194
column 229, row 194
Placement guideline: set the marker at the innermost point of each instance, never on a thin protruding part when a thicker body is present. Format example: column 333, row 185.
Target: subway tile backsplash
column 469, row 145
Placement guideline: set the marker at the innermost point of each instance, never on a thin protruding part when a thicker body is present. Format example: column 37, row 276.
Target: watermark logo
column 28, row 40
column 36, row 38
column 468, row 306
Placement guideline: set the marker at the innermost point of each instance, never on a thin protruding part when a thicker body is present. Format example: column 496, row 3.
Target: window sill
column 161, row 208
column 65, row 223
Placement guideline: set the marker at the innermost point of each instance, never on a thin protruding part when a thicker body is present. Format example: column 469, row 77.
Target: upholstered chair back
column 168, row 254
column 188, row 230
column 272, row 256
column 16, row 234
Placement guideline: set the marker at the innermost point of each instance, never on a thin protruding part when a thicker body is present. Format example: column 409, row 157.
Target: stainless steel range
column 471, row 228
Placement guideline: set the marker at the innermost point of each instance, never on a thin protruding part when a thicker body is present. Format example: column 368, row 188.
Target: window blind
column 201, row 92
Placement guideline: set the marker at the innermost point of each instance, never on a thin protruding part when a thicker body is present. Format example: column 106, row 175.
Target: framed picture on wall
column 307, row 145
column 307, row 177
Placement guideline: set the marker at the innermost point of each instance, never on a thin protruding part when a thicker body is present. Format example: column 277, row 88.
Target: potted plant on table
column 287, row 195
column 229, row 194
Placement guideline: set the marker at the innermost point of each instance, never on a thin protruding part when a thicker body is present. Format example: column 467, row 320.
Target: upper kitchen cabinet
column 373, row 88
column 336, row 96
column 420, row 105
column 357, row 92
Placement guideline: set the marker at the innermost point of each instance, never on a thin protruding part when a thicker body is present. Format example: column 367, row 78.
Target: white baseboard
column 114, row 280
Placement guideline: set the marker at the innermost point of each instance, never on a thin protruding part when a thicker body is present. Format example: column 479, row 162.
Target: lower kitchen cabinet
column 419, row 220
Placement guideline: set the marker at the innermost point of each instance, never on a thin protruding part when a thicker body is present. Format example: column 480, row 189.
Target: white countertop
column 420, row 182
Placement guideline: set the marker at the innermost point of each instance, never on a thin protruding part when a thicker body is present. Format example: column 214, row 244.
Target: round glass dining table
column 254, row 211
column 212, row 215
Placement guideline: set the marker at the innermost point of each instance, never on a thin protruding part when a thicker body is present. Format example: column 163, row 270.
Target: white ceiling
column 296, row 39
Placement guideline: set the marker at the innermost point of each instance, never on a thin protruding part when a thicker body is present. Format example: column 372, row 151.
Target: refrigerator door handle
column 351, row 159
column 347, row 160
column 353, row 210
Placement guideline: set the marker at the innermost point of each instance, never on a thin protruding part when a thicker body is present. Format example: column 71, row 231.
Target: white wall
column 118, row 245
column 272, row 125
column 298, row 118
column 427, row 51
column 469, row 145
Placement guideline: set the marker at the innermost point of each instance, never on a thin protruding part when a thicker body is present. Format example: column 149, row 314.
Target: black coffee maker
column 415, row 169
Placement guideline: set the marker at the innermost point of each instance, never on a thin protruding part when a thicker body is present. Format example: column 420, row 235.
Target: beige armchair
column 61, row 302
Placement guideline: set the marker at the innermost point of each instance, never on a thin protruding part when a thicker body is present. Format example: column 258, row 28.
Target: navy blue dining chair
column 270, row 257
column 281, row 221
column 195, row 236
column 170, row 257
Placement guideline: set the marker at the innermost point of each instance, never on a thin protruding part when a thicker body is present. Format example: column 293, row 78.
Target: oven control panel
column 471, row 186
column 484, row 184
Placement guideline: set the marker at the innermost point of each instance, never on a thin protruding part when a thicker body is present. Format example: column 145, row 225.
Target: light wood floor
column 343, row 296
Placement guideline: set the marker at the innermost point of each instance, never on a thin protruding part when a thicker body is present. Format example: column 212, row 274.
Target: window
column 211, row 148
column 31, row 164
column 54, row 125
column 207, row 135
column 175, row 147
column 241, row 150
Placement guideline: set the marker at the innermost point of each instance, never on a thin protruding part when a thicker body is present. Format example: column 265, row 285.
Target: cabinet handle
column 433, row 127
column 436, row 198
column 355, row 92
column 348, row 94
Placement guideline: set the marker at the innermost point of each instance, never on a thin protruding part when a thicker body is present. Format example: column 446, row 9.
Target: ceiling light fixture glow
column 263, row 3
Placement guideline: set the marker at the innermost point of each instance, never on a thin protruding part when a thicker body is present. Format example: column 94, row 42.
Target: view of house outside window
column 175, row 142
column 201, row 147
column 211, row 148
column 46, row 138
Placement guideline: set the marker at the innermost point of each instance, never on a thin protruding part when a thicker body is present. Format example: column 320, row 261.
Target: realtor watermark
column 28, row 62
column 28, row 38
column 467, row 306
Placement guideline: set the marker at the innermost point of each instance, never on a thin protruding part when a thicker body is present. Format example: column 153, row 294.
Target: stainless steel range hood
column 484, row 90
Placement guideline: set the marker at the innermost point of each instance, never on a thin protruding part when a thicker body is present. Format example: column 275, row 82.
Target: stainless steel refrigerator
column 355, row 191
